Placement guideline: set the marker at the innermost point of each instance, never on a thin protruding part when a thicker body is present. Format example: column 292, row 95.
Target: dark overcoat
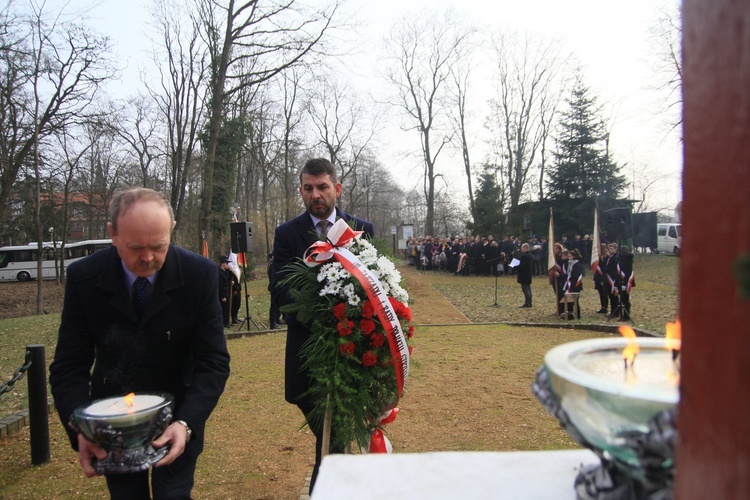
column 178, row 346
column 291, row 239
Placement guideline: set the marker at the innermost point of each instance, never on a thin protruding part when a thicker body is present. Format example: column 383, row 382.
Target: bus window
column 672, row 232
column 5, row 257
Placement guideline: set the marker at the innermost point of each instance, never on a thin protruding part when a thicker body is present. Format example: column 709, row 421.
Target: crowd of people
column 486, row 256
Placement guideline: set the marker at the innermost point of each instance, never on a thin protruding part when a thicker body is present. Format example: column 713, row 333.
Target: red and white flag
column 596, row 244
column 551, row 243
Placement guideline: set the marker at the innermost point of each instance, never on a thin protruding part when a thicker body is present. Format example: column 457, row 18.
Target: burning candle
column 123, row 411
column 652, row 369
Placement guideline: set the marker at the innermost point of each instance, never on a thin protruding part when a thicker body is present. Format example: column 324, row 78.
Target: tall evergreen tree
column 488, row 205
column 582, row 166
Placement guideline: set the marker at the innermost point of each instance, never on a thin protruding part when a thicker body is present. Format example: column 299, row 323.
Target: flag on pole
column 234, row 265
column 551, row 243
column 596, row 243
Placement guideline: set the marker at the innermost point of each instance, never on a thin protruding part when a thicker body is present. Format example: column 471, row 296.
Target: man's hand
column 86, row 452
column 176, row 436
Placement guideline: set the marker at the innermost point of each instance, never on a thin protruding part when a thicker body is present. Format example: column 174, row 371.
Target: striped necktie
column 323, row 227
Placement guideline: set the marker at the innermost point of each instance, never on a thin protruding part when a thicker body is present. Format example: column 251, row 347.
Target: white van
column 669, row 238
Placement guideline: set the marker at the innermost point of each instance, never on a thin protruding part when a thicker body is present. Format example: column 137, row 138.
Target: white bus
column 18, row 263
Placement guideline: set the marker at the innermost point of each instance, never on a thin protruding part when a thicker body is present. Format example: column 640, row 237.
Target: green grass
column 469, row 390
column 654, row 299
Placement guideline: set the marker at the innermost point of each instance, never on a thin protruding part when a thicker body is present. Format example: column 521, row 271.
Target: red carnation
column 367, row 310
column 345, row 327
column 347, row 349
column 401, row 310
column 410, row 332
column 339, row 310
column 367, row 326
column 411, row 349
column 407, row 314
column 369, row 358
column 377, row 339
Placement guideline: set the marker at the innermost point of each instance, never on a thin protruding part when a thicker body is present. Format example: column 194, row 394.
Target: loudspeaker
column 618, row 225
column 241, row 237
column 644, row 230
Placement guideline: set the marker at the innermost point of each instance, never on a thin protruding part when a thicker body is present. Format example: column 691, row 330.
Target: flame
column 130, row 399
column 630, row 351
column 673, row 340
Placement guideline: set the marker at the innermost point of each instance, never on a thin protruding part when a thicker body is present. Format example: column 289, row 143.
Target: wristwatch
column 187, row 429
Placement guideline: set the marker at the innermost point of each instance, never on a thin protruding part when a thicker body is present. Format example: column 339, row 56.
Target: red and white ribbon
column 341, row 234
column 379, row 442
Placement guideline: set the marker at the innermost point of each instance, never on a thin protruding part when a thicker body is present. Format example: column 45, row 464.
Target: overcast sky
column 610, row 39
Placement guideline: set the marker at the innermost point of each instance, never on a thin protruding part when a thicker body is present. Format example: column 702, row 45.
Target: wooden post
column 326, row 446
column 713, row 452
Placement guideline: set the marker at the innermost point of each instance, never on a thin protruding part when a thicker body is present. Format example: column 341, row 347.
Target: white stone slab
column 527, row 475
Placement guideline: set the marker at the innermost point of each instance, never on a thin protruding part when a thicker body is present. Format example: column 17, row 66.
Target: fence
column 35, row 366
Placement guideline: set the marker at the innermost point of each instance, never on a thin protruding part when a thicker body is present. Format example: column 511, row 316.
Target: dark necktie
column 323, row 227
column 140, row 295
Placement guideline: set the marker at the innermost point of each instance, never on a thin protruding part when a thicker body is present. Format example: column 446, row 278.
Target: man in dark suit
column 319, row 189
column 145, row 315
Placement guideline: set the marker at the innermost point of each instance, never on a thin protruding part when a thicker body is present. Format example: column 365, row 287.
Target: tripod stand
column 621, row 312
column 248, row 319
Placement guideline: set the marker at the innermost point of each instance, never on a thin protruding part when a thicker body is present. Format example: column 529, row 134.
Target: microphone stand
column 496, row 273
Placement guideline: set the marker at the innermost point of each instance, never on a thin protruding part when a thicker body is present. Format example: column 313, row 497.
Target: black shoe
column 524, row 306
column 601, row 311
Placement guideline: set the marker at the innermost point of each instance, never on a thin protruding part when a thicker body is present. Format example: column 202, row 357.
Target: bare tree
column 345, row 127
column 251, row 43
column 72, row 63
column 667, row 37
column 291, row 143
column 424, row 50
column 460, row 112
column 528, row 91
column 266, row 153
column 69, row 156
column 137, row 127
column 181, row 93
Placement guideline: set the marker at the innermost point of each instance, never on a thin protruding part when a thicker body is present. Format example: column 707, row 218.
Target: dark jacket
column 611, row 273
column 574, row 282
column 291, row 239
column 178, row 346
column 525, row 268
column 625, row 272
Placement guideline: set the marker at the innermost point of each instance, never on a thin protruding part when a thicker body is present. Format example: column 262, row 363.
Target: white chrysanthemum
column 400, row 294
column 332, row 272
column 385, row 266
column 350, row 295
column 330, row 288
column 368, row 254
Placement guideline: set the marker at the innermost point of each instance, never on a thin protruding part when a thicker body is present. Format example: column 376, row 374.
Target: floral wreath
column 358, row 352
